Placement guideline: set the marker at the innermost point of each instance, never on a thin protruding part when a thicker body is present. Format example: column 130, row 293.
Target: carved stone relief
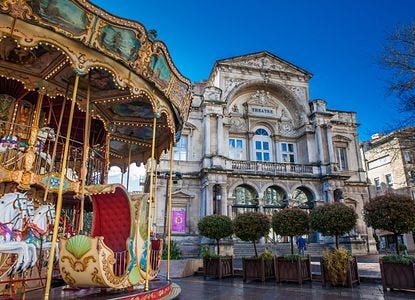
column 286, row 128
column 238, row 124
column 300, row 92
column 230, row 83
column 260, row 97
column 263, row 63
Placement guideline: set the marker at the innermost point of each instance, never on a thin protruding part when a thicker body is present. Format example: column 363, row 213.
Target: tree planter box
column 218, row 267
column 352, row 274
column 398, row 276
column 293, row 271
column 258, row 268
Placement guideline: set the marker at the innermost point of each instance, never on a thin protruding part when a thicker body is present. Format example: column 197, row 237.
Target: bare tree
column 399, row 57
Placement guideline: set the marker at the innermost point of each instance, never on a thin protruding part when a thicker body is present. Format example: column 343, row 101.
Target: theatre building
column 254, row 141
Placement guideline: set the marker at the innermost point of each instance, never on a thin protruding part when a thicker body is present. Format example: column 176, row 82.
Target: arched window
column 262, row 145
column 246, row 199
column 274, row 198
column 302, row 198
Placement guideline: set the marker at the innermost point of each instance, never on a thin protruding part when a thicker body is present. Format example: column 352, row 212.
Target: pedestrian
column 301, row 244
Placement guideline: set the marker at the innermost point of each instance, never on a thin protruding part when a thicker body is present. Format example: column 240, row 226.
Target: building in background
column 255, row 142
column 390, row 164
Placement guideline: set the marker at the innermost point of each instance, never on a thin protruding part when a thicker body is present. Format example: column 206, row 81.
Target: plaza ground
column 195, row 288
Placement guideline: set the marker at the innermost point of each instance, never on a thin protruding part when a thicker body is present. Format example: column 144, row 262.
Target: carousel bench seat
column 112, row 219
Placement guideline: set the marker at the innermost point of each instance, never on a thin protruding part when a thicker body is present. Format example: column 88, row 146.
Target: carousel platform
column 159, row 289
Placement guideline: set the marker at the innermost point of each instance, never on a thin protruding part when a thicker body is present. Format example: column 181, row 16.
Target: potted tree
column 216, row 227
column 292, row 222
column 250, row 227
column 337, row 266
column 394, row 213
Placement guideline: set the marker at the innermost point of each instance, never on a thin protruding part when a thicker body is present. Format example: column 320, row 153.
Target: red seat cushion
column 112, row 218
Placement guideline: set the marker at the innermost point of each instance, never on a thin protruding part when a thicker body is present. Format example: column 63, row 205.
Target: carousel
column 80, row 91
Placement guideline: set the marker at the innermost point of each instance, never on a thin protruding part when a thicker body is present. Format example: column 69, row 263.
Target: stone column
column 207, row 134
column 224, row 200
column 361, row 170
column 329, row 134
column 209, row 200
column 251, row 147
column 220, row 134
column 203, row 200
column 319, row 143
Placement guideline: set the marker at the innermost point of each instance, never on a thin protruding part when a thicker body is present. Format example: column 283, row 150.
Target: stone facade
column 255, row 141
column 390, row 165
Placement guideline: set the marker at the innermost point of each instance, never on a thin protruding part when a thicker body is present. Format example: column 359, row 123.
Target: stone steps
column 247, row 249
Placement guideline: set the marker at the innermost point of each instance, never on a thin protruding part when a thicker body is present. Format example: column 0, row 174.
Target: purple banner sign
column 178, row 220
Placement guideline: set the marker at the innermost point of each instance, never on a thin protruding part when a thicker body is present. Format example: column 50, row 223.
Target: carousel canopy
column 126, row 74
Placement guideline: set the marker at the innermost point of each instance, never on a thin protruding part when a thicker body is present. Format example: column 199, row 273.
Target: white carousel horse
column 13, row 210
column 39, row 225
column 46, row 133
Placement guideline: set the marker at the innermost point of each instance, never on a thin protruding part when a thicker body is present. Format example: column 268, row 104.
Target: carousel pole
column 155, row 202
column 84, row 158
column 129, row 163
column 150, row 200
column 55, row 146
column 36, row 119
column 60, row 191
column 169, row 211
column 107, row 156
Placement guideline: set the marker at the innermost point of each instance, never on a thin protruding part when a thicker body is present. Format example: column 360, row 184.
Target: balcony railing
column 272, row 167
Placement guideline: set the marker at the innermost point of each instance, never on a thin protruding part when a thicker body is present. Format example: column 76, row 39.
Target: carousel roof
column 129, row 74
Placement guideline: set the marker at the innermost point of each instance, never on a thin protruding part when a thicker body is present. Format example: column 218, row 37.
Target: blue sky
column 338, row 41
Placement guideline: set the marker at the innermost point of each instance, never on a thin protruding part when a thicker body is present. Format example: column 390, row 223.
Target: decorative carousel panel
column 63, row 15
column 178, row 93
column 37, row 61
column 122, row 148
column 135, row 108
column 54, row 181
column 140, row 133
column 24, row 118
column 161, row 72
column 121, row 42
column 6, row 112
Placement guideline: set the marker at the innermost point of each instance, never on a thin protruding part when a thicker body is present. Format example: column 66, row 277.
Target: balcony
column 272, row 168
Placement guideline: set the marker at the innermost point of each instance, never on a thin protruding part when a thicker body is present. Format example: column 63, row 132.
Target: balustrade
column 271, row 167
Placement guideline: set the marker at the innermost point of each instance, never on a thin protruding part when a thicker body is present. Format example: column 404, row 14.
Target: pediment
column 341, row 138
column 264, row 61
column 182, row 194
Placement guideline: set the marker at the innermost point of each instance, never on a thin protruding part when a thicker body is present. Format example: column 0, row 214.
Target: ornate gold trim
column 78, row 265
